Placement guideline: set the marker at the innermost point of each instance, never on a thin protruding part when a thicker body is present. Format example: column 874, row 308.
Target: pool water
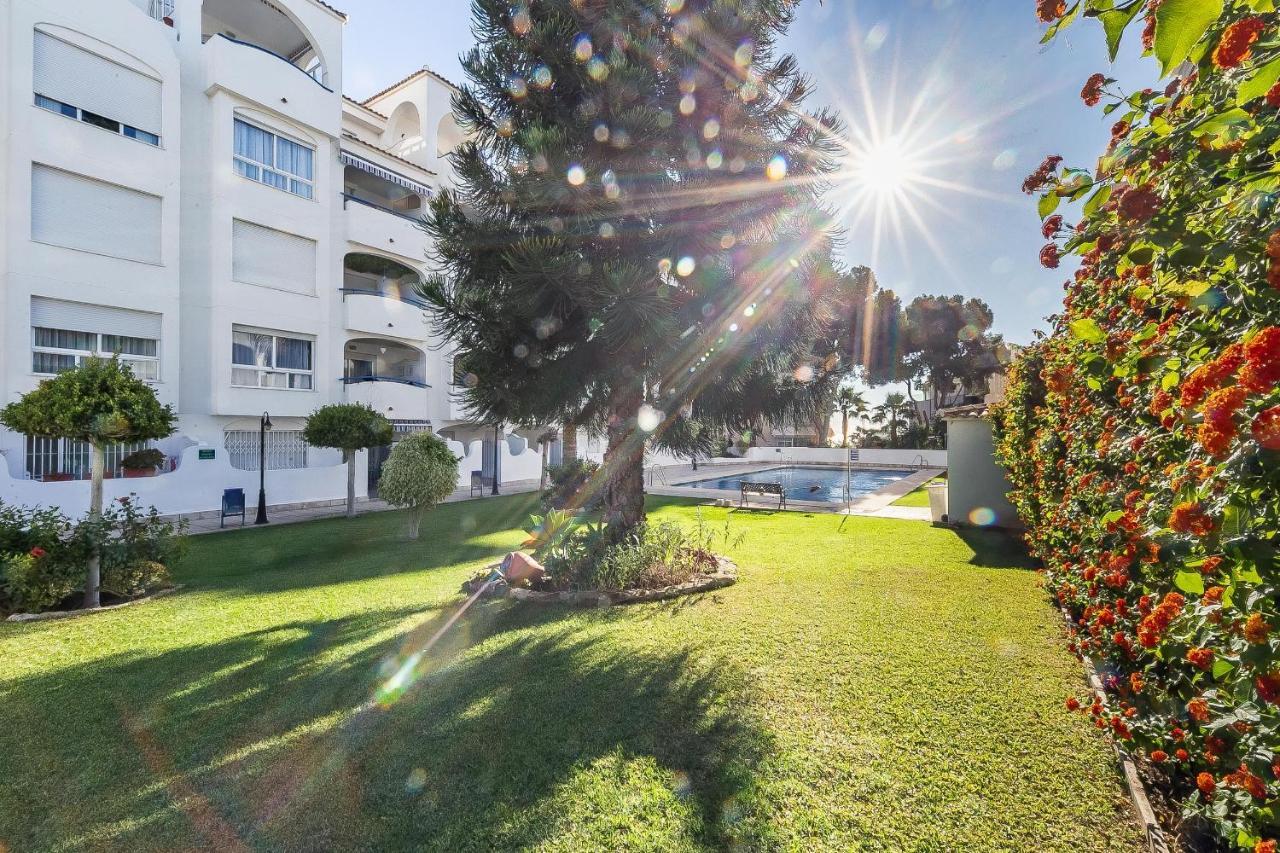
column 820, row 485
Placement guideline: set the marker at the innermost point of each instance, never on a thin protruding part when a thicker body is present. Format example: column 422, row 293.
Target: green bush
column 142, row 460
column 420, row 472
column 569, row 486
column 37, row 580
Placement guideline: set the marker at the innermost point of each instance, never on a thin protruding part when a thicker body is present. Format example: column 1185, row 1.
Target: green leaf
column 1048, row 204
column 1179, row 25
column 1141, row 255
column 1221, row 668
column 1114, row 24
column 1189, row 582
column 1097, row 200
column 1221, row 122
column 1259, row 82
column 1088, row 330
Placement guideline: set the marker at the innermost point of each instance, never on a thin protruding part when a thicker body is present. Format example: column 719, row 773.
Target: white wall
column 196, row 486
column 838, row 456
column 976, row 483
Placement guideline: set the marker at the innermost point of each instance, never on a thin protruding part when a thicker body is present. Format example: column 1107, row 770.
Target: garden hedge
column 1142, row 434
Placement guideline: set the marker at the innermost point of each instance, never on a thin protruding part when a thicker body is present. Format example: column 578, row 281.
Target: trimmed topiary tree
column 347, row 427
column 101, row 402
column 420, row 472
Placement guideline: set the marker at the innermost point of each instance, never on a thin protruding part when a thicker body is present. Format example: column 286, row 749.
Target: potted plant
column 142, row 463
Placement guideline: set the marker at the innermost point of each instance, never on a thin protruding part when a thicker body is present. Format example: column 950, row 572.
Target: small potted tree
column 347, row 427
column 142, row 463
column 419, row 473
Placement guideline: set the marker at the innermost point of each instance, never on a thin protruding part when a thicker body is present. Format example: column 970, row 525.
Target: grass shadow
column 289, row 738
column 997, row 549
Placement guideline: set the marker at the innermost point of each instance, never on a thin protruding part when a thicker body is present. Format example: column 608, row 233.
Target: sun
column 885, row 169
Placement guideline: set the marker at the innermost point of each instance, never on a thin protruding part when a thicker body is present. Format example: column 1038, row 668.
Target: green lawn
column 869, row 684
column 917, row 497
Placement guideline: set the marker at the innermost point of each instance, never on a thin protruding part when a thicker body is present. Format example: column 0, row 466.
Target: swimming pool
column 820, row 485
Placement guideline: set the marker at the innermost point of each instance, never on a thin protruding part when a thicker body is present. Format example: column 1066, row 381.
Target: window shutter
column 97, row 319
column 271, row 258
column 80, row 213
column 91, row 82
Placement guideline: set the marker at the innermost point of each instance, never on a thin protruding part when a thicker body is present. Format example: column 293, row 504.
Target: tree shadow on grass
column 340, row 550
column 288, row 738
column 996, row 549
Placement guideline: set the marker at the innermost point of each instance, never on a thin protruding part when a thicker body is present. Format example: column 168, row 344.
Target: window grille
column 65, row 457
column 285, row 449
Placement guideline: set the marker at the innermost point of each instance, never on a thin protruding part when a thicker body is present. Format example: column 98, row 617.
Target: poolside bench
column 772, row 490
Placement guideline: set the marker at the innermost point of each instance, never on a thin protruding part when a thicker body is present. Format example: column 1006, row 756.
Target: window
column 76, row 83
column 285, row 449
column 271, row 258
column 97, row 120
column 262, row 359
column 78, row 212
column 69, row 459
column 64, row 334
column 267, row 158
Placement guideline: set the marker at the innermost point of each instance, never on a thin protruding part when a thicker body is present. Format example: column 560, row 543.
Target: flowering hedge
column 1142, row 435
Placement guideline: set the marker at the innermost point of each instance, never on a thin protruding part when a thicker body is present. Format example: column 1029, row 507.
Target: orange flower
column 1268, row 846
column 1245, row 780
column 1159, row 756
column 1188, row 517
column 1219, row 428
column 1198, row 708
column 1210, row 567
column 1262, row 361
column 1212, row 595
column 1237, row 39
column 1266, row 428
column 1256, row 629
column 1073, row 704
column 1206, row 784
column 1201, row 658
column 1049, row 11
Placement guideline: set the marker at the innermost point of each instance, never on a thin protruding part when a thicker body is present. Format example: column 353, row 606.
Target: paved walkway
column 209, row 522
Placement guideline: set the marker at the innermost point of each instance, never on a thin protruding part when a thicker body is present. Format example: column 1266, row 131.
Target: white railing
column 157, row 9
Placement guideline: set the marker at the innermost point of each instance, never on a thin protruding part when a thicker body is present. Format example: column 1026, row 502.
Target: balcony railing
column 399, row 380
column 311, row 75
column 399, row 297
column 160, row 10
column 346, row 197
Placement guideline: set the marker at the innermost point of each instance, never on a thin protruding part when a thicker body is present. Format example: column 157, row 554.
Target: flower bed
column 724, row 574
column 1142, row 435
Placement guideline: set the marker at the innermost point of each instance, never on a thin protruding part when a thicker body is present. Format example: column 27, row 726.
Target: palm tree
column 849, row 402
column 891, row 414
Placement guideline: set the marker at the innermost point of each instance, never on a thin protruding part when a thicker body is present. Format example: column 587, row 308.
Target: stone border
column 68, row 614
column 726, row 574
column 1156, row 842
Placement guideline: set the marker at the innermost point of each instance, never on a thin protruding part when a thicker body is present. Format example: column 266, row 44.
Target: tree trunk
column 844, row 428
column 624, row 464
column 415, row 521
column 570, row 442
column 821, row 426
column 542, row 475
column 93, row 572
column 351, row 484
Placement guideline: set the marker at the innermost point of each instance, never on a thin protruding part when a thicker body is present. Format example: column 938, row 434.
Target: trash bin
column 938, row 501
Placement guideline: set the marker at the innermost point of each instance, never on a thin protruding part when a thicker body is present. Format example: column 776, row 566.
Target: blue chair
column 232, row 505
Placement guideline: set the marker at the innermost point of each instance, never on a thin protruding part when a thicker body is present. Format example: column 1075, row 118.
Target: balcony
column 384, row 209
column 388, row 376
column 379, row 298
column 253, row 50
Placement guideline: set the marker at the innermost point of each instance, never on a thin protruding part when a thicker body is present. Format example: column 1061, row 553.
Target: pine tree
column 637, row 234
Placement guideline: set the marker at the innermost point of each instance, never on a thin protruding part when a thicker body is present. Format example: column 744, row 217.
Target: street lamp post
column 263, row 426
column 495, row 458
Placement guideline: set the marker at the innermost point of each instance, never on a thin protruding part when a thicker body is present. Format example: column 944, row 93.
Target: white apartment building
column 184, row 184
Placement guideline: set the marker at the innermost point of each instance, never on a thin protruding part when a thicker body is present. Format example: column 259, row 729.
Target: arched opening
column 263, row 25
column 382, row 360
column 374, row 275
column 404, row 130
column 448, row 136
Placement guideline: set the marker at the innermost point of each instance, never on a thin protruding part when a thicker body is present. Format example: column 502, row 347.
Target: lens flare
column 777, row 168
column 685, row 266
column 982, row 516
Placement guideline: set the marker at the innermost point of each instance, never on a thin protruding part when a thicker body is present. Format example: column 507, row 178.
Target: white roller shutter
column 80, row 213
column 91, row 82
column 96, row 319
column 271, row 258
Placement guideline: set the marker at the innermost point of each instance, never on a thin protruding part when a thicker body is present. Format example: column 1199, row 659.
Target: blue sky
column 992, row 102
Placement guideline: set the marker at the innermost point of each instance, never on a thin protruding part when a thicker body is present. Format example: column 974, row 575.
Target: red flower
column 1268, row 846
column 1266, row 428
column 1159, row 756
column 1273, row 96
column 1188, row 517
column 1051, row 226
column 1246, row 781
column 1182, row 755
column 1219, row 428
column 1201, row 658
column 1042, row 175
column 1261, row 371
column 1268, row 687
column 1049, row 11
column 37, row 552
column 1073, row 704
column 1049, row 256
column 1237, row 39
column 1092, row 91
column 1138, row 204
column 1210, row 566
column 1206, row 784
column 1256, row 629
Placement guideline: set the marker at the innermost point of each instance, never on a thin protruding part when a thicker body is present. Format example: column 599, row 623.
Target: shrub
column 1141, row 435
column 38, row 580
column 570, row 486
column 142, row 460
column 347, row 427
column 420, row 472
